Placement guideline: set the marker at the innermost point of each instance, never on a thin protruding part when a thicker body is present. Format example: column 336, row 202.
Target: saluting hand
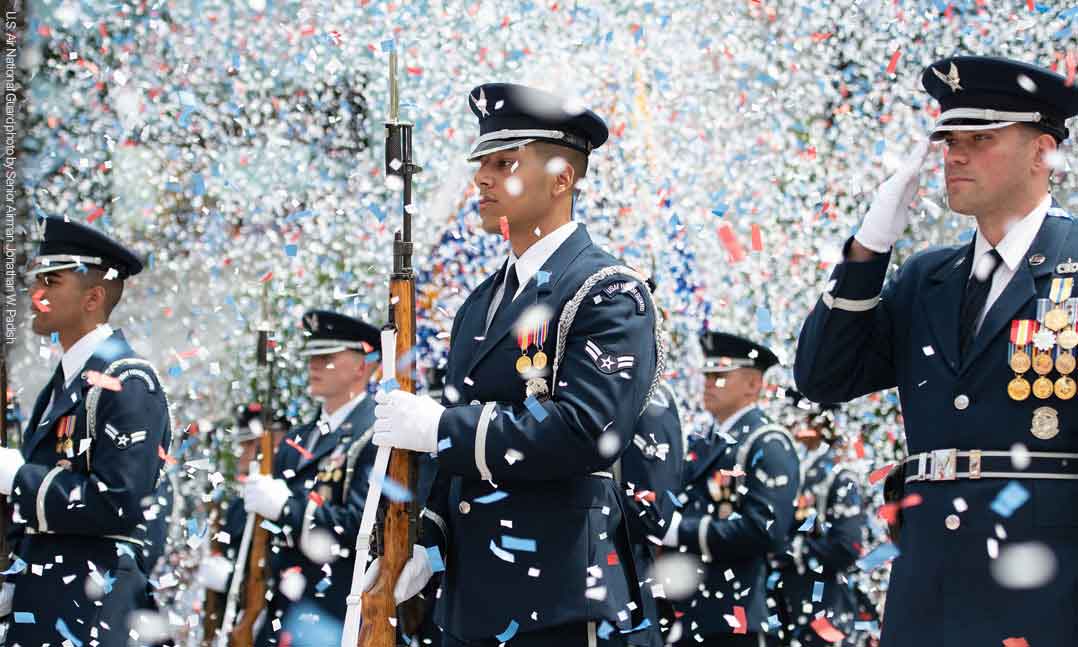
column 407, row 421
column 889, row 214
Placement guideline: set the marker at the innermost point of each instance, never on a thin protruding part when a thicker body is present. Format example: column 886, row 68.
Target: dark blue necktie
column 512, row 283
column 976, row 297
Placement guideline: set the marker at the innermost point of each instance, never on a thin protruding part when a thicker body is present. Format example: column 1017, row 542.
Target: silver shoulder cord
column 354, row 613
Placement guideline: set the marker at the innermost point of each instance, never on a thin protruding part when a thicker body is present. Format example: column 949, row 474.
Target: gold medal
column 1018, row 389
column 539, row 360
column 1045, row 423
column 1068, row 339
column 1042, row 363
column 1043, row 388
column 1056, row 319
column 1065, row 363
column 1020, row 362
column 524, row 364
column 1065, row 388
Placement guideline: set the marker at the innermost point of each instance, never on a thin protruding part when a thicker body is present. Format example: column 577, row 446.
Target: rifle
column 253, row 549
column 398, row 340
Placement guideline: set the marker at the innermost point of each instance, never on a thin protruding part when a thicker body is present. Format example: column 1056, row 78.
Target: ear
column 1044, row 144
column 565, row 179
column 93, row 300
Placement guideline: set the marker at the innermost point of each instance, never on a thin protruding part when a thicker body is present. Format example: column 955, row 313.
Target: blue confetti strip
column 542, row 278
column 810, row 521
column 395, row 491
column 673, row 497
column 1010, row 498
column 509, row 632
column 18, row 566
column 61, row 627
column 445, row 444
column 434, row 557
column 644, row 624
column 773, row 622
column 866, row 625
column 535, row 408
column 817, row 591
column 517, row 543
column 604, row 630
column 323, row 584
column 270, row 526
column 878, row 557
column 390, row 385
column 24, row 618
column 492, row 497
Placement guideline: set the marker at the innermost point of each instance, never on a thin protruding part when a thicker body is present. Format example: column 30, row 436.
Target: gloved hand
column 214, row 572
column 407, row 421
column 889, row 214
column 414, row 576
column 10, row 462
column 670, row 538
column 7, row 594
column 265, row 496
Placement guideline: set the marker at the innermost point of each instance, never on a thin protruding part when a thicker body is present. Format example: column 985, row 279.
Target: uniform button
column 464, row 507
column 961, row 402
column 952, row 521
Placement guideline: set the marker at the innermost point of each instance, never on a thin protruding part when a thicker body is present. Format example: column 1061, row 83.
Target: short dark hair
column 577, row 159
column 114, row 287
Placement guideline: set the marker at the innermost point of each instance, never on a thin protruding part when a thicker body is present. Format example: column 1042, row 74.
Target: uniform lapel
column 716, row 446
column 942, row 301
column 532, row 293
column 31, row 432
column 351, row 427
column 474, row 311
column 1046, row 248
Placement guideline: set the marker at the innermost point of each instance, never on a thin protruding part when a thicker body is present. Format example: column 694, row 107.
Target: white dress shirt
column 80, row 352
column 530, row 262
column 329, row 423
column 726, row 425
column 1012, row 249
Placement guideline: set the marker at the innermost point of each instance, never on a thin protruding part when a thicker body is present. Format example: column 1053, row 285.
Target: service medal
column 1044, row 340
column 1065, row 363
column 524, row 364
column 1018, row 389
column 539, row 360
column 1020, row 362
column 1045, row 424
column 1043, row 388
column 1042, row 363
column 1056, row 319
column 1067, row 339
column 1065, row 388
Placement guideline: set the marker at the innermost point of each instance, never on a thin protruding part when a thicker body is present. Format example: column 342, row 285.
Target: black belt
column 974, row 464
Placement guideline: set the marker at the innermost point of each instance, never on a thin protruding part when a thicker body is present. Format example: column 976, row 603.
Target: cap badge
column 481, row 103
column 951, row 78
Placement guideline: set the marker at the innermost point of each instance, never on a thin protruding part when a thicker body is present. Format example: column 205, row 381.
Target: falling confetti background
column 238, row 147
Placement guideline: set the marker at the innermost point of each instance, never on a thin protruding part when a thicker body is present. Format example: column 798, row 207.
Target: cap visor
column 495, row 145
column 941, row 130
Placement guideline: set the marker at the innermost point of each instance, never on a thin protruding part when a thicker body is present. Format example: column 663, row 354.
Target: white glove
column 414, row 576
column 10, row 462
column 670, row 538
column 406, row 420
column 265, row 496
column 889, row 214
column 7, row 594
column 214, row 572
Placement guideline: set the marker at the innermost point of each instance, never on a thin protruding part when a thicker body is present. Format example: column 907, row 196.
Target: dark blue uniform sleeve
column 765, row 515
column 846, row 349
column 563, row 440
column 839, row 545
column 124, row 462
column 341, row 518
column 652, row 469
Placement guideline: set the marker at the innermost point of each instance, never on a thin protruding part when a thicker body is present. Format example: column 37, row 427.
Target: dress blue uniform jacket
column 88, row 508
column 736, row 531
column 651, row 473
column 530, row 537
column 345, row 455
column 831, row 509
column 863, row 337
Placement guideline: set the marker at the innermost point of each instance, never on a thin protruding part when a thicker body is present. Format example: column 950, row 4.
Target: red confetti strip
column 859, row 447
column 757, row 238
column 742, row 622
column 645, row 495
column 911, row 501
column 95, row 214
column 824, row 629
column 878, row 475
column 730, row 242
column 734, row 473
column 40, row 305
column 163, row 455
column 612, row 558
column 299, row 448
column 821, row 36
column 1015, row 642
column 503, row 223
column 893, row 65
column 104, row 381
column 316, row 497
column 415, row 71
column 266, row 277
column 1030, row 5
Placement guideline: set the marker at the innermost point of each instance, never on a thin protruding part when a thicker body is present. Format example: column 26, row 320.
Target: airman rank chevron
column 124, row 439
column 606, row 362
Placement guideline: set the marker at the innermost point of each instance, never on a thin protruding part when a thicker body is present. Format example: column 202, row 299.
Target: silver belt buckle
column 944, row 464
